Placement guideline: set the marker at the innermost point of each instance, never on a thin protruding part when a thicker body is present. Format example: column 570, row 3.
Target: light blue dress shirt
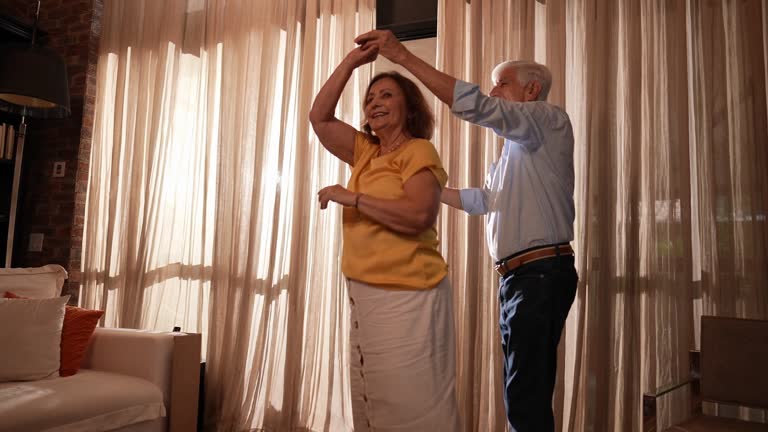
column 527, row 198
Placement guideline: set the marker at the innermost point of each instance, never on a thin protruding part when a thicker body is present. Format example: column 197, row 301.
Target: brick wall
column 52, row 206
column 14, row 8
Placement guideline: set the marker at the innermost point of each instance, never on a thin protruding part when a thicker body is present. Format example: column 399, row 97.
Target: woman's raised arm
column 335, row 135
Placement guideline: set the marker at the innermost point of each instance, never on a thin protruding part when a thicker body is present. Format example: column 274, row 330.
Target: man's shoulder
column 545, row 106
column 555, row 114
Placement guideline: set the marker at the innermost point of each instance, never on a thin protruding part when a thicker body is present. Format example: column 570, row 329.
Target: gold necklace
column 393, row 148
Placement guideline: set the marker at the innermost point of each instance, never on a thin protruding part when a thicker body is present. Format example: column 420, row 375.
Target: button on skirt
column 403, row 362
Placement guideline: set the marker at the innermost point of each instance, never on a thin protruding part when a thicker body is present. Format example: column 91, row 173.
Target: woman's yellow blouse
column 374, row 254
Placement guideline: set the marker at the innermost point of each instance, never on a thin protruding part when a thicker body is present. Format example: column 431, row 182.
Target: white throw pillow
column 30, row 338
column 33, row 282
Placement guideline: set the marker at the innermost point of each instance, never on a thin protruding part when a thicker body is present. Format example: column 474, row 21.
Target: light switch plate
column 59, row 168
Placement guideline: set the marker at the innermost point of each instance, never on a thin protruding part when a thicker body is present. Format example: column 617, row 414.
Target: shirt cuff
column 473, row 201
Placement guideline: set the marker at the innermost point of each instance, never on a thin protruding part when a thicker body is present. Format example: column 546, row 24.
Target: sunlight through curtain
column 201, row 208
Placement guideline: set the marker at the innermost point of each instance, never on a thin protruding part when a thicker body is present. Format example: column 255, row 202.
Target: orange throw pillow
column 76, row 332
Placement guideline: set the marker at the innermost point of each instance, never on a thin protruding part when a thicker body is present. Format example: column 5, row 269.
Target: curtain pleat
column 201, row 208
column 668, row 105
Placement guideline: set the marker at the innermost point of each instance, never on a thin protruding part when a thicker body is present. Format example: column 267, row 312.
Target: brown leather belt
column 507, row 265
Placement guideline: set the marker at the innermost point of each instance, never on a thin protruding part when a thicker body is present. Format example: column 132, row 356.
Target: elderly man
column 528, row 202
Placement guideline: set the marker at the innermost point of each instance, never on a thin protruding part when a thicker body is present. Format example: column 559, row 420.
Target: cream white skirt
column 403, row 361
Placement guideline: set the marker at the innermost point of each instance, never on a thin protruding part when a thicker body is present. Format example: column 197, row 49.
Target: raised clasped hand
column 363, row 54
column 386, row 41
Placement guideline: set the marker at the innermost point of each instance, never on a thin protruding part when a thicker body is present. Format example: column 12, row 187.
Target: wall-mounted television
column 408, row 19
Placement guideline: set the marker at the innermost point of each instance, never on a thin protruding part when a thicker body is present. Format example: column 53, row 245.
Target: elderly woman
column 403, row 365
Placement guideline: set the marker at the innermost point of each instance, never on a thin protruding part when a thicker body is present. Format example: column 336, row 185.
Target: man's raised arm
column 437, row 82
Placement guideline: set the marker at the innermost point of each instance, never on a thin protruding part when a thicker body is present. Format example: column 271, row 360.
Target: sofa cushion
column 89, row 401
column 79, row 325
column 33, row 282
column 76, row 332
column 30, row 337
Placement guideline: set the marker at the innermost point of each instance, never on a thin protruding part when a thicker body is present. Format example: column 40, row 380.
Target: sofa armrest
column 169, row 360
column 142, row 354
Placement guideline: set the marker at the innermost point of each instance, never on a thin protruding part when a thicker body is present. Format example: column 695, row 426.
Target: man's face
column 508, row 87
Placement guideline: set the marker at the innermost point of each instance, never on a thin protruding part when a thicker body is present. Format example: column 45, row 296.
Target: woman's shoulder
column 422, row 154
column 422, row 141
column 420, row 146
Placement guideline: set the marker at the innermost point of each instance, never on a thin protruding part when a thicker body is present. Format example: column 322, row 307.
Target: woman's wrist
column 357, row 199
column 348, row 64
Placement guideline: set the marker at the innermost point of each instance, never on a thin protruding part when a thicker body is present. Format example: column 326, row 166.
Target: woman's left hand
column 336, row 193
column 362, row 54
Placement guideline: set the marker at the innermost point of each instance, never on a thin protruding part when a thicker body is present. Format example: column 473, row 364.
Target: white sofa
column 129, row 381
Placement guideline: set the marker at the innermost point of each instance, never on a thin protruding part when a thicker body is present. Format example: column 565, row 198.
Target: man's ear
column 532, row 91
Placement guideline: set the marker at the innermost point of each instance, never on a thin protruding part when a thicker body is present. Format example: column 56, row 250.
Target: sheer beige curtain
column 201, row 209
column 668, row 104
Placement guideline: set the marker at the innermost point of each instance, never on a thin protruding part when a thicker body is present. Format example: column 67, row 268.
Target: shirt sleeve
column 421, row 154
column 474, row 200
column 521, row 122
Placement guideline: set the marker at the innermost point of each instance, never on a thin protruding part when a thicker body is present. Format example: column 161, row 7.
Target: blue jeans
column 534, row 302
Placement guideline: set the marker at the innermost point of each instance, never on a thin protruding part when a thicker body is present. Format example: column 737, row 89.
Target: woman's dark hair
column 420, row 123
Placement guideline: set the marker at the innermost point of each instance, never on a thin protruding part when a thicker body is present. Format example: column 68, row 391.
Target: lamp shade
column 33, row 81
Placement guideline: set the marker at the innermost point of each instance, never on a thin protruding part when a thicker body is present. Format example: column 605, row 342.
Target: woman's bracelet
column 357, row 199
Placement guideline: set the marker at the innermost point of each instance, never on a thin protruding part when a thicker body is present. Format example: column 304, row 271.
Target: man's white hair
column 527, row 71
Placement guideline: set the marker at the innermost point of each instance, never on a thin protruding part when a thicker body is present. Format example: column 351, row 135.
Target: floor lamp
column 33, row 83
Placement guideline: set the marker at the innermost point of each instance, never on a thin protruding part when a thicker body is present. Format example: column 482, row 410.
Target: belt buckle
column 502, row 268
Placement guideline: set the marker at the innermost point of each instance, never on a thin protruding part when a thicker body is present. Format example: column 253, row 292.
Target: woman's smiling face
column 385, row 105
